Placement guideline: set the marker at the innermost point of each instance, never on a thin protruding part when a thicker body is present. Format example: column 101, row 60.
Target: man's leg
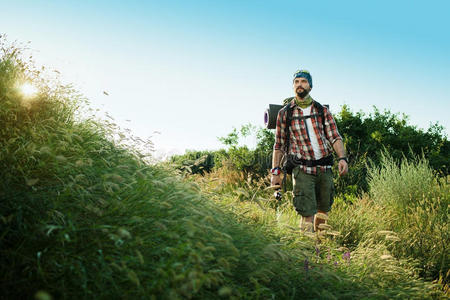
column 307, row 223
column 304, row 197
column 325, row 194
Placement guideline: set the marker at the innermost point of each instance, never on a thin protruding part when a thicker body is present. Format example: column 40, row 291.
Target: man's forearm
column 276, row 158
column 339, row 148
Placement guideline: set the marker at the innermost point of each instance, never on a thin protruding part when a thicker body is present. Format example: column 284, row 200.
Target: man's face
column 301, row 87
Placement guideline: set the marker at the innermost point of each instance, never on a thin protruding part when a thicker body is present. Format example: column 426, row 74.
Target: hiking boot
column 320, row 222
column 307, row 227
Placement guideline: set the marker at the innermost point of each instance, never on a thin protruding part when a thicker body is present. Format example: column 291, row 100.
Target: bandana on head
column 304, row 74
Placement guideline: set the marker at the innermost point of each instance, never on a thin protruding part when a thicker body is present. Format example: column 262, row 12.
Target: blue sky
column 193, row 70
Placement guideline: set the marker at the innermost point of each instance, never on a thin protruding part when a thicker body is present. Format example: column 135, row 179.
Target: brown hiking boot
column 306, row 226
column 320, row 222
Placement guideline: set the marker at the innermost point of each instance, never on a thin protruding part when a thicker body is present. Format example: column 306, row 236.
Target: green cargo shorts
column 312, row 192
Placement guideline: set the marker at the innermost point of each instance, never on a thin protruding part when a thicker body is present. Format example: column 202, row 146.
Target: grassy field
column 82, row 217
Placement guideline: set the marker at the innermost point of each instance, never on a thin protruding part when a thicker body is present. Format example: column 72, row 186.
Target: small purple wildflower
column 329, row 255
column 317, row 251
column 346, row 256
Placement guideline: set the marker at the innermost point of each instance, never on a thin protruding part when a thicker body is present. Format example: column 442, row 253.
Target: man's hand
column 275, row 180
column 340, row 151
column 343, row 167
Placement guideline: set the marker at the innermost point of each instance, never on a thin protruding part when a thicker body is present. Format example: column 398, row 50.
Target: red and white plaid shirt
column 300, row 143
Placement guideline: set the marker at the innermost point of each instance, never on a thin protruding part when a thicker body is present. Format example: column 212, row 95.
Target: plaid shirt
column 300, row 143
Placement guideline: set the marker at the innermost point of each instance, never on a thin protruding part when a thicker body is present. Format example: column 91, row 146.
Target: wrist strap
column 343, row 158
column 276, row 171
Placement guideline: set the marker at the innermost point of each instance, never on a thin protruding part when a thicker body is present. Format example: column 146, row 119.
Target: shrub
column 194, row 162
column 252, row 162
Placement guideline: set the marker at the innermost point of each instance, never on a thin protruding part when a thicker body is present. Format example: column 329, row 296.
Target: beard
column 301, row 92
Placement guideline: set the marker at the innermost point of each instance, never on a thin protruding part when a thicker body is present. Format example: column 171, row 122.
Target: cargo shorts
column 312, row 192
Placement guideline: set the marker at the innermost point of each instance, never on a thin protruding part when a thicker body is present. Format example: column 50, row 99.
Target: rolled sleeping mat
column 270, row 115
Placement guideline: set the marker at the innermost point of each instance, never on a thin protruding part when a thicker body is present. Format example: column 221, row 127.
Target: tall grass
column 420, row 205
column 402, row 185
column 83, row 217
column 368, row 263
column 406, row 211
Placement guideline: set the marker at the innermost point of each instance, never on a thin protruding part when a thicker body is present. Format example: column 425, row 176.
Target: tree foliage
column 253, row 162
column 367, row 136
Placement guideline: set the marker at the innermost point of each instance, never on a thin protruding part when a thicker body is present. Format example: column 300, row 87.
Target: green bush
column 254, row 163
column 194, row 162
column 367, row 136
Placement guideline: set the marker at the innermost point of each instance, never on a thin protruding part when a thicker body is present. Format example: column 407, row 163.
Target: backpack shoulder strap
column 288, row 112
column 288, row 100
column 319, row 108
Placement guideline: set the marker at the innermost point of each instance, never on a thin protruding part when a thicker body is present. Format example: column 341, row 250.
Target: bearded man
column 312, row 137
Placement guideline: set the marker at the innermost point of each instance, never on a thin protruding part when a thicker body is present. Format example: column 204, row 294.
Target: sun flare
column 28, row 90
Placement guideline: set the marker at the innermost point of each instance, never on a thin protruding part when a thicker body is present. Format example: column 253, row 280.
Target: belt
column 324, row 161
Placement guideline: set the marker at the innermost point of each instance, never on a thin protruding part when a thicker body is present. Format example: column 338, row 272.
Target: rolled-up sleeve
column 280, row 134
column 331, row 129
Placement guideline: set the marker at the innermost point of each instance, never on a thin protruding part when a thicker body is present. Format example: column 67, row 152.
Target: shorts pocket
column 304, row 204
column 332, row 194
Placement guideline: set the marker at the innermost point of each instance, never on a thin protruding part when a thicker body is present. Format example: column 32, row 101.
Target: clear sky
column 193, row 70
